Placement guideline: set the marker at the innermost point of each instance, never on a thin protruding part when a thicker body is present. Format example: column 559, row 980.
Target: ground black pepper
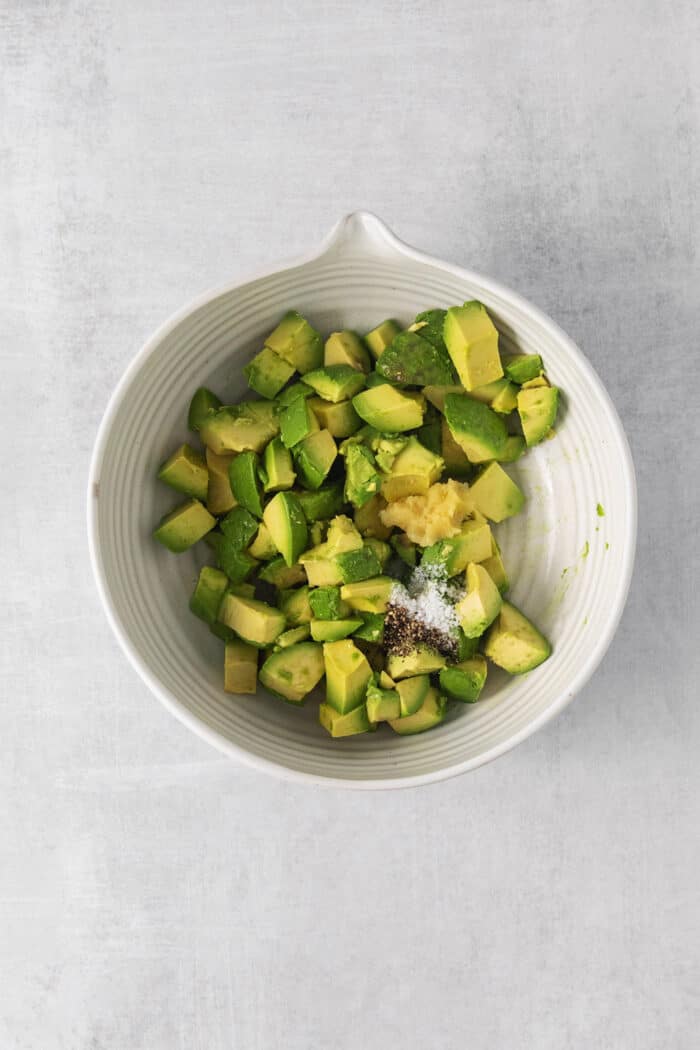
column 402, row 634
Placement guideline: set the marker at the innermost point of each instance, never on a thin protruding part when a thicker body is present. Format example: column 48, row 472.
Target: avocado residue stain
column 586, row 549
column 600, row 510
column 607, row 546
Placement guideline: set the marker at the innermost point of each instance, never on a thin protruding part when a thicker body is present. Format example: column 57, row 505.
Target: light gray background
column 154, row 896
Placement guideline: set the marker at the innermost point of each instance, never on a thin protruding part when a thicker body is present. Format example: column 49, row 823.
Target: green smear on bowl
column 600, row 510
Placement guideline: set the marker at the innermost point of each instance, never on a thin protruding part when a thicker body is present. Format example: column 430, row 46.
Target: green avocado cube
column 368, row 521
column 421, row 660
column 333, row 630
column 183, row 527
column 186, row 471
column 506, row 400
column 481, row 604
column 277, row 471
column 362, row 479
column 209, row 590
column 297, row 342
column 371, row 596
column 297, row 421
column 495, row 567
column 201, row 405
column 281, row 575
column 240, row 428
column 513, row 449
column 358, row 565
column 453, row 455
column 390, row 410
column 347, row 675
column 514, row 643
column 472, row 342
column 240, row 667
column 243, row 474
column 520, row 368
column 292, row 636
column 495, row 495
column 267, row 373
column 382, row 704
column 314, row 456
column 372, row 629
column 293, row 671
column 537, row 408
column 220, row 498
column 322, row 504
column 239, row 527
column 346, row 348
column 262, row 546
column 341, row 419
column 295, row 606
column 429, row 715
column 236, row 563
column 335, row 382
column 413, row 360
column 382, row 336
column 326, row 603
column 292, row 392
column 431, row 325
column 405, row 549
column 350, row 724
column 255, row 622
column 479, row 430
column 412, row 693
column 286, row 524
column 472, row 543
column 464, row 681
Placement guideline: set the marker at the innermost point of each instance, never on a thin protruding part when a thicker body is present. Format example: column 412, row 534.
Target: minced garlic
column 437, row 515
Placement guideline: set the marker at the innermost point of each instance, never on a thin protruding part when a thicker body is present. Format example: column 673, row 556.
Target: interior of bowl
column 569, row 565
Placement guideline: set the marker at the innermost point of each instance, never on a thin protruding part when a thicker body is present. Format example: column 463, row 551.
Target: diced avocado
column 368, row 521
column 335, row 382
column 222, row 632
column 431, row 325
column 358, row 565
column 332, row 630
column 314, row 457
column 338, row 725
column 317, row 532
column 481, row 604
column 342, row 536
column 489, row 391
column 405, row 548
column 243, row 474
column 381, row 550
column 320, row 568
column 406, row 485
column 295, row 606
column 240, row 667
column 267, row 373
column 386, row 681
column 201, row 405
column 522, row 367
column 240, row 428
column 209, row 590
column 186, row 472
column 513, row 449
column 436, row 394
column 235, row 562
column 239, row 526
column 340, row 420
column 292, row 636
column 466, row 680
column 430, row 714
column 374, row 379
column 506, row 399
column 390, row 410
column 362, row 480
column 472, row 543
column 537, row 382
column 244, row 590
column 183, row 527
column 292, row 392
column 413, row 471
column 495, row 494
column 413, row 360
column 297, row 342
column 220, row 498
column 368, row 595
column 454, row 457
column 287, row 526
column 292, row 672
column 281, row 575
column 347, row 675
column 495, row 567
column 382, row 703
column 277, row 470
column 412, row 693
column 382, row 336
column 475, row 427
column 421, row 660
column 514, row 643
column 466, row 647
column 326, row 603
column 537, row 408
column 322, row 504
column 430, row 436
column 472, row 341
column 297, row 421
column 253, row 621
column 372, row 629
column 346, row 348
column 262, row 546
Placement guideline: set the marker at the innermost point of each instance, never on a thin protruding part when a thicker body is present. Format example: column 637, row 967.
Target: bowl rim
column 352, row 227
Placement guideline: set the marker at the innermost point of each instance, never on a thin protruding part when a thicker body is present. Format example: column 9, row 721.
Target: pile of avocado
column 288, row 493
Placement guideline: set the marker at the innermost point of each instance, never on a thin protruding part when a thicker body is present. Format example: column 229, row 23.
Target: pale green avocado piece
column 292, row 392
column 292, row 672
column 514, row 643
column 332, row 630
column 243, row 473
column 436, row 394
column 537, row 408
column 413, row 470
column 338, row 725
column 472, row 543
column 321, row 571
column 239, row 527
column 382, row 702
column 370, row 596
column 475, row 427
column 412, row 693
column 314, row 456
column 297, row 421
column 472, row 342
column 186, row 471
column 390, row 410
column 347, row 675
column 317, row 532
column 202, row 403
column 319, row 562
column 295, row 606
column 421, row 660
column 297, row 342
column 292, row 636
column 429, row 435
column 495, row 567
column 287, row 526
column 513, row 449
column 240, row 428
column 346, row 348
column 464, row 681
column 537, row 381
column 522, row 367
column 240, row 667
column 322, row 504
column 368, row 521
column 220, row 498
column 382, row 551
column 454, row 457
column 326, row 604
column 335, row 382
column 209, row 590
column 341, row 420
column 362, row 480
column 267, row 373
column 495, row 495
column 489, row 391
column 277, row 471
column 382, row 336
column 342, row 536
column 356, row 565
column 506, row 400
column 481, row 604
column 262, row 548
column 183, row 527
column 281, row 575
column 253, row 621
column 405, row 549
column 372, row 629
column 416, row 361
column 430, row 714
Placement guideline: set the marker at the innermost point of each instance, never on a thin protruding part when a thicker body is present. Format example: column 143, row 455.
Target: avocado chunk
column 183, row 527
column 239, row 527
column 382, row 336
column 506, row 400
column 405, row 548
column 537, row 408
column 454, row 457
column 267, row 373
column 472, row 342
column 277, row 471
column 292, row 672
column 314, row 457
column 326, row 603
column 519, row 368
column 297, row 421
column 413, row 360
column 262, row 546
column 320, row 568
column 347, row 675
column 201, row 405
column 346, row 348
column 358, row 565
column 235, row 562
column 255, row 622
column 340, row 420
column 475, row 427
column 514, row 643
column 371, row 596
column 472, row 543
column 413, row 470
column 243, row 474
column 513, row 449
column 335, row 382
column 495, row 495
column 240, row 667
column 286, row 524
column 220, row 498
column 317, row 532
column 436, row 394
column 372, row 629
column 430, row 714
column 322, row 504
column 297, row 342
column 368, row 521
column 362, row 480
column 186, row 471
column 412, row 694
column 333, row 630
column 382, row 551
column 538, row 381
column 338, row 725
column 421, row 660
column 431, row 325
column 292, row 636
column 209, row 590
column 383, row 703
column 429, row 436
column 495, row 567
column 481, row 604
column 281, row 575
column 464, row 681
column 295, row 606
column 292, row 392
column 240, row 428
column 389, row 410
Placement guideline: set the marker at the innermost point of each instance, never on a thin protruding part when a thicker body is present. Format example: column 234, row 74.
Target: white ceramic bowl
column 570, row 567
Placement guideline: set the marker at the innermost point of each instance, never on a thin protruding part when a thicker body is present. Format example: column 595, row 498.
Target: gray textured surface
column 154, row 896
